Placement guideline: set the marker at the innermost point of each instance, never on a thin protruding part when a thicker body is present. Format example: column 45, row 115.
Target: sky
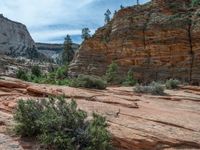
column 50, row 21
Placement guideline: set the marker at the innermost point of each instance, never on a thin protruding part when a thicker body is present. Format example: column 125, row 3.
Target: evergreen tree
column 68, row 51
column 85, row 33
column 107, row 16
column 138, row 3
column 115, row 12
column 121, row 7
column 111, row 73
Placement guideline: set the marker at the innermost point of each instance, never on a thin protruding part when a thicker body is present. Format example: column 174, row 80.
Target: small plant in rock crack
column 60, row 125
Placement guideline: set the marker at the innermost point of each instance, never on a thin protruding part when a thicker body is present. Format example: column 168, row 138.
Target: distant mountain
column 16, row 41
column 52, row 50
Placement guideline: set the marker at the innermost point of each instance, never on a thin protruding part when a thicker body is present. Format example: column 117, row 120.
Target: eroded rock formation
column 158, row 40
column 136, row 122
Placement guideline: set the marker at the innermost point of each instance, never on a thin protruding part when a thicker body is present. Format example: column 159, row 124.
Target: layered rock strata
column 158, row 40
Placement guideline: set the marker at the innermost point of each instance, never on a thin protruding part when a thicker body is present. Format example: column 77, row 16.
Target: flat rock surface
column 136, row 121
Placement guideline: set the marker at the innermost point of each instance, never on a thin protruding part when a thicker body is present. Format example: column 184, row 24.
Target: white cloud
column 38, row 15
column 46, row 36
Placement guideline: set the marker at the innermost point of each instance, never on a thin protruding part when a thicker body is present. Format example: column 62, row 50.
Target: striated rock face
column 15, row 39
column 136, row 122
column 158, row 40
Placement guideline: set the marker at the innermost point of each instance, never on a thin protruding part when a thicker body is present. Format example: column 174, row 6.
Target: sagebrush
column 60, row 125
column 154, row 88
column 89, row 81
column 172, row 84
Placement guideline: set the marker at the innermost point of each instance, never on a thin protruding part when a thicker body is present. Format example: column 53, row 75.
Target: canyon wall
column 158, row 40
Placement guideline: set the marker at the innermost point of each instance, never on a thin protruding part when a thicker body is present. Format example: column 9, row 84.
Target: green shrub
column 27, row 114
column 130, row 81
column 195, row 3
column 36, row 71
column 141, row 89
column 63, row 82
column 21, row 74
column 88, row 81
column 153, row 88
column 172, row 84
column 61, row 72
column 61, row 126
column 111, row 73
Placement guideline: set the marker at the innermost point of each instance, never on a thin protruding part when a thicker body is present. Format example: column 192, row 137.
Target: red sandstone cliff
column 158, row 40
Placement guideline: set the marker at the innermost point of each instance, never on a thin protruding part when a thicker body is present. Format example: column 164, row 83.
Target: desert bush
column 26, row 116
column 154, row 88
column 111, row 73
column 61, row 72
column 129, row 81
column 88, row 81
column 57, row 77
column 172, row 84
column 195, row 3
column 36, row 71
column 60, row 125
column 21, row 74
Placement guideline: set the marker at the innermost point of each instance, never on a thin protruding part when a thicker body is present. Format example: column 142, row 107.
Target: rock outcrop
column 136, row 122
column 9, row 65
column 15, row 40
column 158, row 40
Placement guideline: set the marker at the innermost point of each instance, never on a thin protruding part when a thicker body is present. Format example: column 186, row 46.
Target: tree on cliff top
column 121, row 7
column 68, row 52
column 85, row 33
column 138, row 2
column 107, row 16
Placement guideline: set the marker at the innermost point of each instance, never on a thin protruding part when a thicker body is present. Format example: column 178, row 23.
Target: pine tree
column 107, row 16
column 85, row 33
column 115, row 12
column 68, row 51
column 138, row 3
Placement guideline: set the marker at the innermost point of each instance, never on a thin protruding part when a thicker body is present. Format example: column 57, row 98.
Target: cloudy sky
column 51, row 20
